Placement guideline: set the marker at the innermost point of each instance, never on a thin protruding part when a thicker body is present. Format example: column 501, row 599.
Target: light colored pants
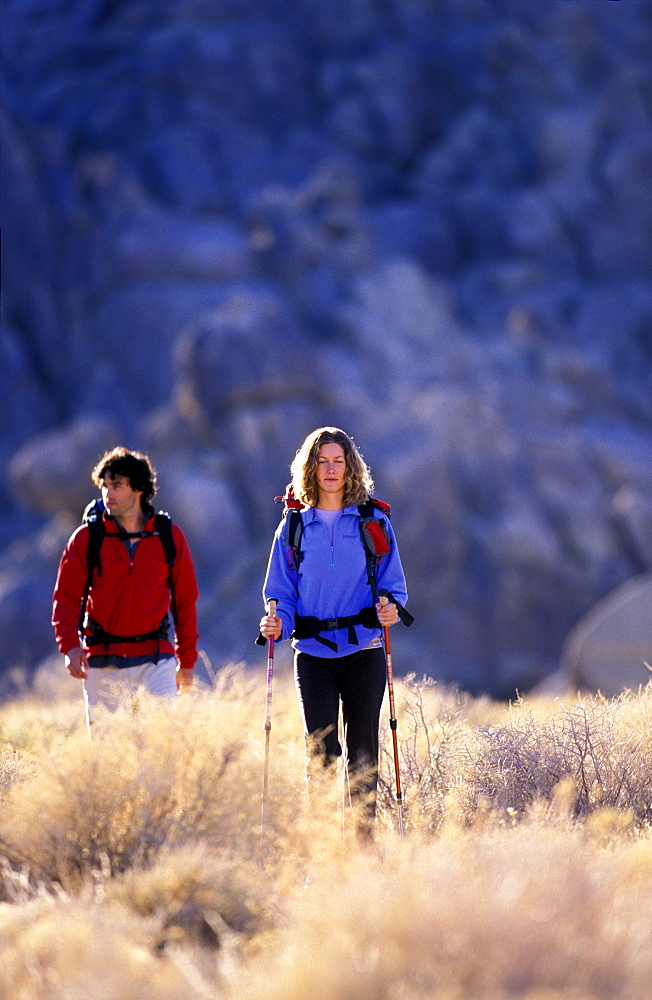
column 111, row 687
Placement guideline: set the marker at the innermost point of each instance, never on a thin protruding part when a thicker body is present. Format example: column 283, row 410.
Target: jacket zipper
column 331, row 541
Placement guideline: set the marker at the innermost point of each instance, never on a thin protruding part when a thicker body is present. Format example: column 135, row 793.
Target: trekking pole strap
column 403, row 613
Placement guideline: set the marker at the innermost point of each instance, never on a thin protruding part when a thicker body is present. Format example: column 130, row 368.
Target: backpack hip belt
column 309, row 627
column 99, row 636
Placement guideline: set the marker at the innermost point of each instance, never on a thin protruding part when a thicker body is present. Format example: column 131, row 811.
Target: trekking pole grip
column 384, row 601
column 271, row 611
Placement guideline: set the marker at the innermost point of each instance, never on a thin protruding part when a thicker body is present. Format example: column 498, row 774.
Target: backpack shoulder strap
column 93, row 518
column 163, row 525
column 375, row 537
column 292, row 534
column 372, row 504
column 293, row 526
column 377, row 543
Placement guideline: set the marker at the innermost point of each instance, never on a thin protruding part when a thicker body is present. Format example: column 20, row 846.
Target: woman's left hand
column 387, row 614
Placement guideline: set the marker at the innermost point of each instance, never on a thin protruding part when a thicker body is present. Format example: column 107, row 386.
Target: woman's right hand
column 271, row 626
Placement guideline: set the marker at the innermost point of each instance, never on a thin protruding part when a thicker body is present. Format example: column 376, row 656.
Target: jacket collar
column 150, row 513
column 351, row 509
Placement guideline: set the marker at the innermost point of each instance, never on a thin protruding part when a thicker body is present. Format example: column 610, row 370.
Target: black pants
column 358, row 680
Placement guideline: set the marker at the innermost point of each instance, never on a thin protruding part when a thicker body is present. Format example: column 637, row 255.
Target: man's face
column 120, row 500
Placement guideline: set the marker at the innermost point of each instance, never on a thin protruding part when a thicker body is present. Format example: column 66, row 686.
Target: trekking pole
column 382, row 596
column 271, row 610
column 346, row 783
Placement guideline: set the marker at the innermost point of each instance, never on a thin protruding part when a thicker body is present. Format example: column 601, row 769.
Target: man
column 142, row 574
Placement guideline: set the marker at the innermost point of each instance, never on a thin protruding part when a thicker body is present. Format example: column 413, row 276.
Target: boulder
column 379, row 105
column 26, row 409
column 246, row 352
column 632, row 510
column 567, row 138
column 621, row 450
column 535, row 228
column 134, row 328
column 251, row 68
column 181, row 170
column 404, row 228
column 156, row 244
column 202, row 501
column 28, row 569
column 614, row 320
column 610, row 649
column 478, row 151
column 313, row 238
column 51, row 472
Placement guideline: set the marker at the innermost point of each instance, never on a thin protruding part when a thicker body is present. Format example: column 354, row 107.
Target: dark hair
column 358, row 485
column 134, row 466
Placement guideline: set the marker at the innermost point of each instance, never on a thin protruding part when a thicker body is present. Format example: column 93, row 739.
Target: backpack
column 94, row 520
column 376, row 543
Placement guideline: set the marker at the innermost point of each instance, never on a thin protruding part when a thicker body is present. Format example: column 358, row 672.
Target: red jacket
column 129, row 597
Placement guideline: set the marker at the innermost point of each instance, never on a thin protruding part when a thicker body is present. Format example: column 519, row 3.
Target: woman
column 321, row 592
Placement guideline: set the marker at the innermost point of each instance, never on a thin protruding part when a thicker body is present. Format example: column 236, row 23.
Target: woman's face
column 331, row 474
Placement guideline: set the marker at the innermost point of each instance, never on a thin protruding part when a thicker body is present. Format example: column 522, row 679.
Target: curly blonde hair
column 358, row 485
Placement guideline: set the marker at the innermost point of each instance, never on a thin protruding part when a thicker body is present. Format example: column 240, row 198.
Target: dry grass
column 132, row 868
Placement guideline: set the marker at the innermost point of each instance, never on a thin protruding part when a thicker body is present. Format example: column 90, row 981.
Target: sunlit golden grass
column 133, row 867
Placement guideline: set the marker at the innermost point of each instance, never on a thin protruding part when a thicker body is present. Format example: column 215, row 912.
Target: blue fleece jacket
column 331, row 581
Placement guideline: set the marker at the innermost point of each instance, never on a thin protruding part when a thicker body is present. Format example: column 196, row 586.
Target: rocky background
column 227, row 222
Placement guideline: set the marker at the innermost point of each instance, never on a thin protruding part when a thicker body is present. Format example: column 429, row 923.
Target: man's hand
column 76, row 663
column 184, row 679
